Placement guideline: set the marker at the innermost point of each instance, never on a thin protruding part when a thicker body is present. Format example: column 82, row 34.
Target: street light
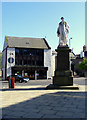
column 70, row 56
column 70, row 42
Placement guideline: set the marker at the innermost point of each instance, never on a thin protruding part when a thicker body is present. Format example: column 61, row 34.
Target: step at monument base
column 71, row 87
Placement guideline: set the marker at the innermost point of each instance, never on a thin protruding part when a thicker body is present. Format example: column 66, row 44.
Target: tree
column 83, row 65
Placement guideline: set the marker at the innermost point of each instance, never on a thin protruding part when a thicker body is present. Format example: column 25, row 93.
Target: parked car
column 20, row 78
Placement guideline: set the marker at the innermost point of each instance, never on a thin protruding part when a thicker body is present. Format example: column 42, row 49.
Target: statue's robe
column 62, row 31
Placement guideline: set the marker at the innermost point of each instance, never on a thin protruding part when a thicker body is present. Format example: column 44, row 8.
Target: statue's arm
column 58, row 32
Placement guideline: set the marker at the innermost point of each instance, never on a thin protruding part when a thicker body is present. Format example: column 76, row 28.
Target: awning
column 20, row 67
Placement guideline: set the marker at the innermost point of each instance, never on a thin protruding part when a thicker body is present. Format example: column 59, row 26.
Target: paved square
column 31, row 100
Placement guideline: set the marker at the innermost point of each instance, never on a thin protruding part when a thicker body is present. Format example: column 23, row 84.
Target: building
column 85, row 51
column 75, row 61
column 29, row 57
column 0, row 63
column 53, row 62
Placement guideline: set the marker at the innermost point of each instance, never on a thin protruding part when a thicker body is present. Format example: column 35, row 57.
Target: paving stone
column 50, row 112
column 33, row 115
column 50, row 116
column 43, row 103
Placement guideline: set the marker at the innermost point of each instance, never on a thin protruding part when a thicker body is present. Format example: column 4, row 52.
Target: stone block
column 70, row 87
column 62, row 80
column 63, row 73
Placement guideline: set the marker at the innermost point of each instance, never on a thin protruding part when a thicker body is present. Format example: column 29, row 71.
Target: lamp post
column 70, row 42
column 70, row 56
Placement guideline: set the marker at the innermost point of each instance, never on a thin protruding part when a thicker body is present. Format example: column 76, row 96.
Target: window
column 29, row 62
column 20, row 62
column 25, row 56
column 16, row 62
column 16, row 51
column 27, row 42
column 33, row 62
column 25, row 62
column 25, row 51
column 21, row 51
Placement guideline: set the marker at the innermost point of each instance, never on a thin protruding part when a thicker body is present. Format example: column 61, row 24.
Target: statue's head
column 62, row 18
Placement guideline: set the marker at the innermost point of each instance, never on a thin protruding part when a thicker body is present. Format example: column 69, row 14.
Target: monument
column 63, row 77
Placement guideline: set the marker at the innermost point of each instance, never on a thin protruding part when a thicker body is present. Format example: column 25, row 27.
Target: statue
column 63, row 78
column 62, row 31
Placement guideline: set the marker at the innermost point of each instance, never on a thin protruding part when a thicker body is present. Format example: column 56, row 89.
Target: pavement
column 32, row 100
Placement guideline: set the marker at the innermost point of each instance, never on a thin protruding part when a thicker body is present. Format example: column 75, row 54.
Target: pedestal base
column 72, row 87
column 62, row 80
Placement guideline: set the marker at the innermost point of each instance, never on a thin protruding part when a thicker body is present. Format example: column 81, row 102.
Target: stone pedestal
column 63, row 74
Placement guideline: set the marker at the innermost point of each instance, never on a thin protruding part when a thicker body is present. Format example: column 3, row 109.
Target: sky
column 41, row 19
column 86, row 23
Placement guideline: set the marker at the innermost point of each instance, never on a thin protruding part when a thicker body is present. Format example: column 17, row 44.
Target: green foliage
column 83, row 65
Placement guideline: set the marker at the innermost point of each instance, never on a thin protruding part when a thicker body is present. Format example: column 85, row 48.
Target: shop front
column 30, row 72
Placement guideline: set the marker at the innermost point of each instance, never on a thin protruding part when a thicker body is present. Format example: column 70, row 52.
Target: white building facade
column 53, row 62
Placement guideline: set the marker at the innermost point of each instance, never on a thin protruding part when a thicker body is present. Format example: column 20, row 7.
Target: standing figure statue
column 62, row 31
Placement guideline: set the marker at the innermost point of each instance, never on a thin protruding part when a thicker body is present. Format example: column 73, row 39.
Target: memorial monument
column 63, row 77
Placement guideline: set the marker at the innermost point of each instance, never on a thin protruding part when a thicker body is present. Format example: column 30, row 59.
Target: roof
column 26, row 42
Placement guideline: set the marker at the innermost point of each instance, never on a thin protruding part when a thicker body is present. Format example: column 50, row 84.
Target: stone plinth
column 63, row 74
